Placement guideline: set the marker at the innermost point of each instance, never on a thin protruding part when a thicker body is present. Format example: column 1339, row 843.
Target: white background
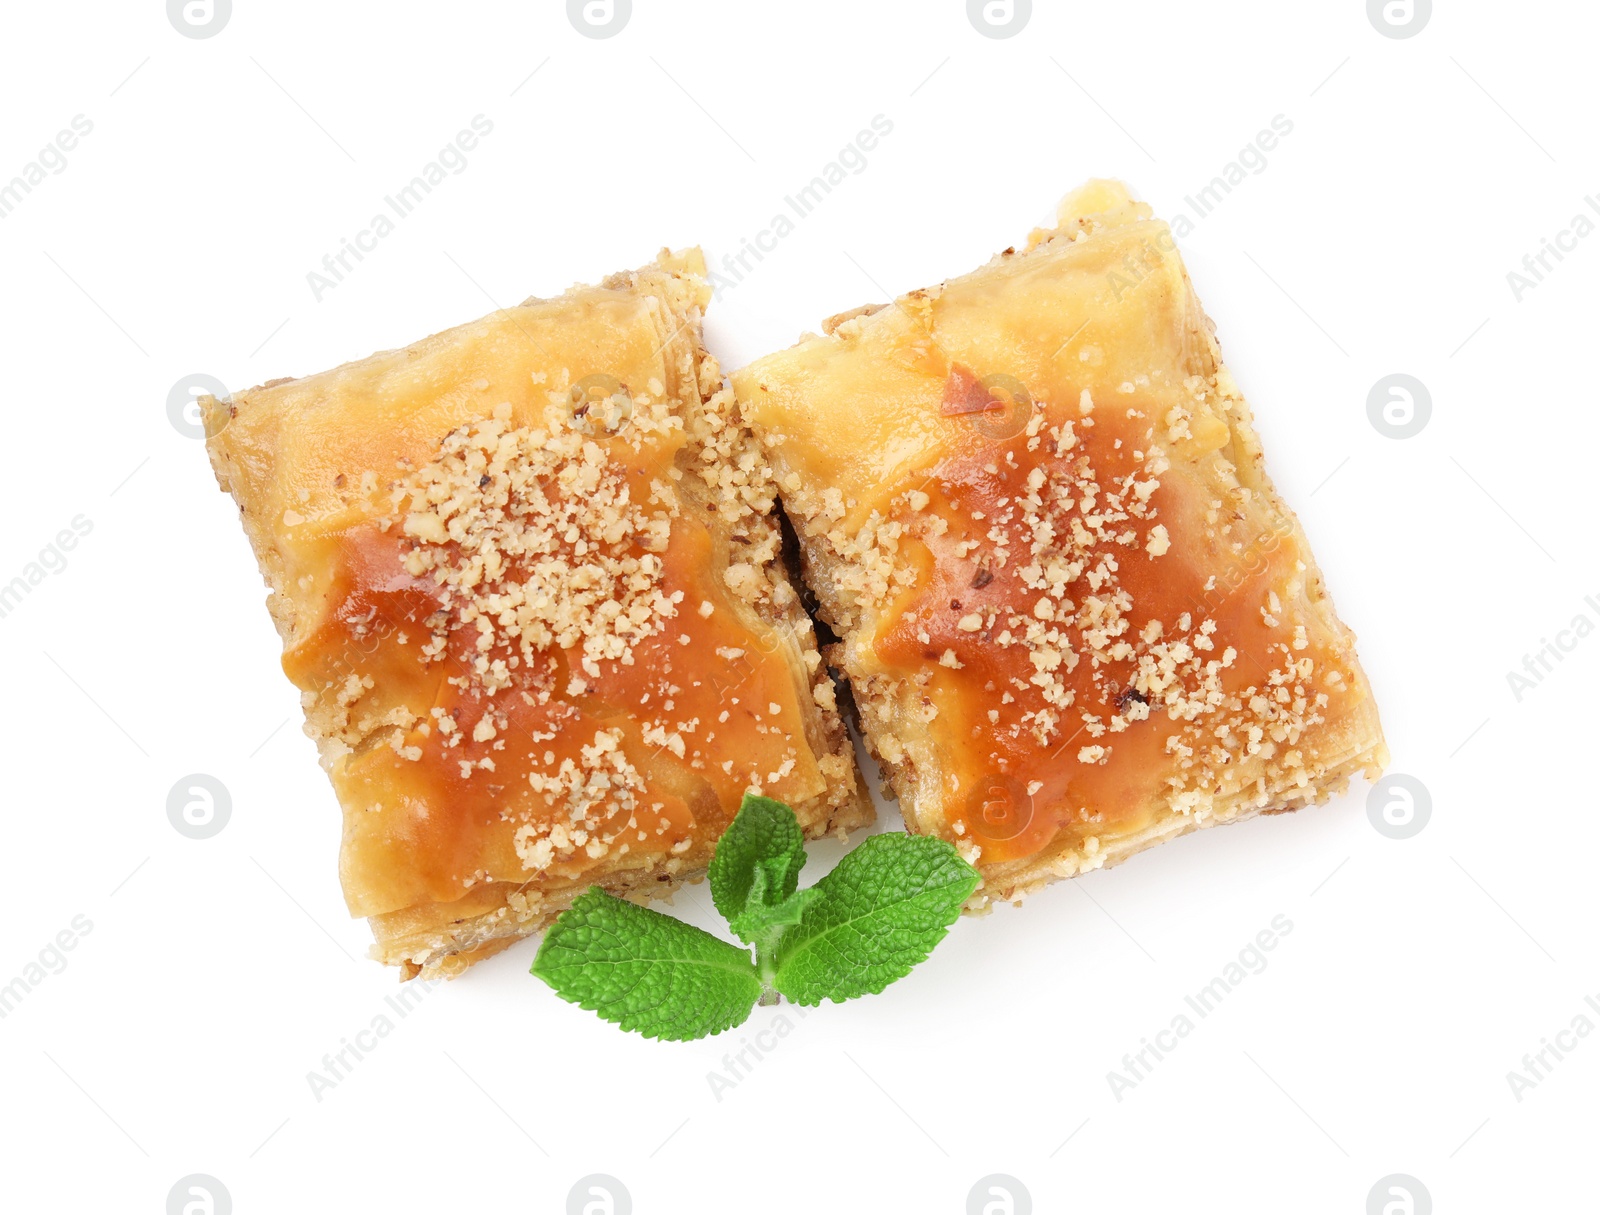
column 218, row 973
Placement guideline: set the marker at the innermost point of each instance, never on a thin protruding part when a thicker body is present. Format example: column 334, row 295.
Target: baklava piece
column 529, row 582
column 1077, row 618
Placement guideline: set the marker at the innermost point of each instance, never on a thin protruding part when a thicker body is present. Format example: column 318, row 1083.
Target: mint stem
column 767, row 966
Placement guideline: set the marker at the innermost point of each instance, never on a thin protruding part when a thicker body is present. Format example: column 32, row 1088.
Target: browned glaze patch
column 436, row 808
column 1028, row 753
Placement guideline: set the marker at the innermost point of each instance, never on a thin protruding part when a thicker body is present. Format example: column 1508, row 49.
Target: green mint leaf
column 883, row 909
column 758, row 921
column 645, row 971
column 758, row 859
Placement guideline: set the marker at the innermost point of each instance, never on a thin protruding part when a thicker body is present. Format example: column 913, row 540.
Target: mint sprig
column 864, row 925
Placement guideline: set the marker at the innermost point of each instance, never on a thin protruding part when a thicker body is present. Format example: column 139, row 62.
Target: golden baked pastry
column 1077, row 617
column 528, row 577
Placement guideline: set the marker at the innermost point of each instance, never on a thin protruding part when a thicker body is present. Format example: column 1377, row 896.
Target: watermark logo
column 999, row 18
column 199, row 806
column 1252, row 161
column 998, row 807
column 997, row 406
column 1552, row 252
column 599, row 1194
column 737, row 1065
column 1399, row 806
column 452, row 160
column 599, row 18
column 999, row 1194
column 1550, row 654
column 199, row 1194
column 1399, row 18
column 199, row 18
column 1139, row 1065
column 338, row 1065
column 51, row 559
column 1539, row 1064
column 1399, row 1194
column 50, row 161
column 600, row 404
column 851, row 160
column 1008, row 414
column 1241, row 567
column 183, row 406
column 1399, row 406
column 51, row 960
column 1137, row 265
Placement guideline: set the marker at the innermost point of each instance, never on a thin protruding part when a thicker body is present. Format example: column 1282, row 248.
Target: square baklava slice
column 1076, row 615
column 530, row 584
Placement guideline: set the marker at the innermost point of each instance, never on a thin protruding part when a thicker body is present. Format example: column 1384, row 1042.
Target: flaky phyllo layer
column 527, row 575
column 1077, row 617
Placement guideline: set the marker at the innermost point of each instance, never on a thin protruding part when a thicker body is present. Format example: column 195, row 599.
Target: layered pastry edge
column 779, row 393
column 717, row 487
